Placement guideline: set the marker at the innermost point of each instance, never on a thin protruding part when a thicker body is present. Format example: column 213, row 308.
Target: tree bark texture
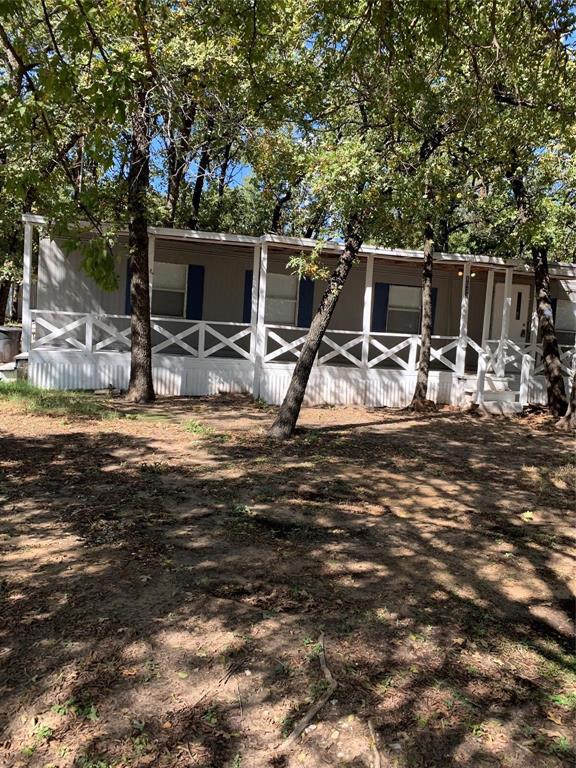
column 140, row 389
column 557, row 402
column 4, row 294
column 421, row 389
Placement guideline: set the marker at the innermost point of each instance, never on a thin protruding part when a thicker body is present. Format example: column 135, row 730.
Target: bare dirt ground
column 167, row 576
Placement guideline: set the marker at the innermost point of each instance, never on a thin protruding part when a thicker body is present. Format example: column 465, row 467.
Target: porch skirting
column 328, row 385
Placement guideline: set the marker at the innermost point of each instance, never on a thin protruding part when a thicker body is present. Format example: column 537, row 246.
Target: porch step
column 500, row 407
column 502, row 396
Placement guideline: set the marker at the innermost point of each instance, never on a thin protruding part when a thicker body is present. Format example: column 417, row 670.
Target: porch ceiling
column 283, row 242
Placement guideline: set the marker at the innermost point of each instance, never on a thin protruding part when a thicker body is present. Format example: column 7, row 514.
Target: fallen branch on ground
column 317, row 706
column 376, row 757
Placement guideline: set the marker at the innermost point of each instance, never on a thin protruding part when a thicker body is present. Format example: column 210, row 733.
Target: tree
column 400, row 83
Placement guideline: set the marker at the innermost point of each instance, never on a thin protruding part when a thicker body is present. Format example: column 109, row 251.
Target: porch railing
column 520, row 362
column 111, row 333
column 283, row 343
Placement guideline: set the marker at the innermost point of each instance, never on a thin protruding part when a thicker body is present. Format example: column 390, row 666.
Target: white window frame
column 172, row 290
column 296, row 300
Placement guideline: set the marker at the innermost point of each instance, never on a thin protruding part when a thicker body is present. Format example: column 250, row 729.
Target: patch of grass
column 384, row 685
column 287, row 725
column 559, row 745
column 197, row 428
column 84, row 761
column 40, row 735
column 262, row 404
column 566, row 700
column 85, row 709
column 147, row 416
column 210, row 716
column 154, row 467
column 140, row 744
column 71, row 405
column 314, row 648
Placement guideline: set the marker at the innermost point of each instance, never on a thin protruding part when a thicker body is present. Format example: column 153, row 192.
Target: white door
column 519, row 312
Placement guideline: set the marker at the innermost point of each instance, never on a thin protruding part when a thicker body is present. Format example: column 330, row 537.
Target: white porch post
column 254, row 299
column 26, row 288
column 258, row 310
column 505, row 329
column 367, row 311
column 525, row 376
column 463, row 332
column 481, row 371
column 366, row 321
column 488, row 307
column 151, row 254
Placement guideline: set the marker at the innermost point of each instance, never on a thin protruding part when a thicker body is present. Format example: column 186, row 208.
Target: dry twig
column 316, row 706
column 376, row 757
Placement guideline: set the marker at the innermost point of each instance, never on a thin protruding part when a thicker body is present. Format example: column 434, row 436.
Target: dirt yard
column 168, row 574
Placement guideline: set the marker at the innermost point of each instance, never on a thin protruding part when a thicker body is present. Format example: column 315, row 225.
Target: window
column 281, row 299
column 403, row 309
column 565, row 315
column 169, row 289
column 565, row 322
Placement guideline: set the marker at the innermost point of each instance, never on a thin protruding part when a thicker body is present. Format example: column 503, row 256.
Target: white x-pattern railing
column 107, row 333
column 209, row 339
column 285, row 341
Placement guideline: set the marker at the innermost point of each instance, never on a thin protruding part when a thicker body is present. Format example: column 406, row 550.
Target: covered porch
column 228, row 317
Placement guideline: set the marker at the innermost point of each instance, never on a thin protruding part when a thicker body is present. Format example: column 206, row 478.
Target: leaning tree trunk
column 140, row 389
column 568, row 421
column 4, row 295
column 426, row 330
column 285, row 421
column 557, row 402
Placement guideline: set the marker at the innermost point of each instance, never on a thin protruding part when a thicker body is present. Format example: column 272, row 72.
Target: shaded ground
column 167, row 576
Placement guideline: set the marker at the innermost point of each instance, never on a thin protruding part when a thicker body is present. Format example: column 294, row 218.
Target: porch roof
column 281, row 241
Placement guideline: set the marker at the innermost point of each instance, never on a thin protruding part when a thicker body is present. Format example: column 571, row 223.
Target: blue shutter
column 305, row 302
column 195, row 292
column 380, row 306
column 127, row 299
column 434, row 298
column 247, row 308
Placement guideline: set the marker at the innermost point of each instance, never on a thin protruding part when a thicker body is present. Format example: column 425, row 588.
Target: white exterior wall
column 64, row 285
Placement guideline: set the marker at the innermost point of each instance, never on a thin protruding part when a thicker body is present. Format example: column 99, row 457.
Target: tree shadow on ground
column 168, row 614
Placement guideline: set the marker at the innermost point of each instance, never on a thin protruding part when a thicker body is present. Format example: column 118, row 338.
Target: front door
column 519, row 312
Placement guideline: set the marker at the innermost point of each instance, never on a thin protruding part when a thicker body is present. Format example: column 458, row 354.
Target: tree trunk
column 426, row 329
column 224, row 170
column 281, row 201
column 203, row 168
column 177, row 151
column 557, row 402
column 568, row 421
column 4, row 294
column 13, row 310
column 140, row 389
column 287, row 416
